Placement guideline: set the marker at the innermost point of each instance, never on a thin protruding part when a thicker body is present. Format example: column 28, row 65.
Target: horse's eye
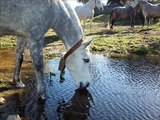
column 86, row 60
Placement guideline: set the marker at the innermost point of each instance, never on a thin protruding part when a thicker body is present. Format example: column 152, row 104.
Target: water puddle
column 122, row 89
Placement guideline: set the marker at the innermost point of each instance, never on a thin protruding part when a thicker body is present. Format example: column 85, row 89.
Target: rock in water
column 2, row 100
column 13, row 117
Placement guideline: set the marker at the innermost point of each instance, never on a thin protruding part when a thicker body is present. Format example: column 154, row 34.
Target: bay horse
column 149, row 10
column 127, row 12
column 30, row 20
column 86, row 11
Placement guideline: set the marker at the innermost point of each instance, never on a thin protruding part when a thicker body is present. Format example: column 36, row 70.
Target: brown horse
column 127, row 12
column 149, row 10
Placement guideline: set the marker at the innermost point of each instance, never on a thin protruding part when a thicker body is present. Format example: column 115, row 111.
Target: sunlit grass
column 7, row 41
column 121, row 40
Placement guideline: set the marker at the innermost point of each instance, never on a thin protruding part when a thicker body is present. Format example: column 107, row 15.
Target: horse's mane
column 146, row 2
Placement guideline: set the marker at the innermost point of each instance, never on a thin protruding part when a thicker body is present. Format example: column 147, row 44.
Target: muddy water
column 122, row 89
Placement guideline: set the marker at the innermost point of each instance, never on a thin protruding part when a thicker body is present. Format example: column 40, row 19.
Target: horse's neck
column 91, row 4
column 133, row 6
column 143, row 4
column 68, row 26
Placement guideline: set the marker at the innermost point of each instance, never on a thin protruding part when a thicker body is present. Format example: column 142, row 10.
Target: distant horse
column 87, row 11
column 30, row 20
column 127, row 12
column 149, row 10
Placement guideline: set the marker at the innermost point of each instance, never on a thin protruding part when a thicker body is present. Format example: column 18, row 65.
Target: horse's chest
column 85, row 14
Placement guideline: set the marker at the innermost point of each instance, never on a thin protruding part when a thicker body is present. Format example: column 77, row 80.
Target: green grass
column 122, row 40
column 7, row 41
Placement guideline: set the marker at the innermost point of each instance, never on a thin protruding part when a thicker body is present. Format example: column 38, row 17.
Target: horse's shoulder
column 82, row 7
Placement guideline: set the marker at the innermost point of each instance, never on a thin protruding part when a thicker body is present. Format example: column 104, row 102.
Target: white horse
column 30, row 20
column 87, row 11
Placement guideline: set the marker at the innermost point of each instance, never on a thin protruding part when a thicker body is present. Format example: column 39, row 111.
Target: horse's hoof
column 2, row 101
column 20, row 84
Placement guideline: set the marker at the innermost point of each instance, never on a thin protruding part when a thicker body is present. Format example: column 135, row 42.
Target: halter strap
column 62, row 64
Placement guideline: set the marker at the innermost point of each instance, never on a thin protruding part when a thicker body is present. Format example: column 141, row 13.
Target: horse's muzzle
column 83, row 86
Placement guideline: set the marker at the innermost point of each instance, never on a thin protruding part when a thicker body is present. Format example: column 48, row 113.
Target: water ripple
column 122, row 89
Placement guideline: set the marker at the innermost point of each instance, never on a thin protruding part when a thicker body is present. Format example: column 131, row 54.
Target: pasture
column 121, row 41
column 124, row 40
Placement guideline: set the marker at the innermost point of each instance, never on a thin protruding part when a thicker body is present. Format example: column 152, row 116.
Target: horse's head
column 79, row 65
column 99, row 4
column 134, row 4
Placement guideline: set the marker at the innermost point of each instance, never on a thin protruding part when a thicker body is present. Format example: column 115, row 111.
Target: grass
column 122, row 40
column 7, row 41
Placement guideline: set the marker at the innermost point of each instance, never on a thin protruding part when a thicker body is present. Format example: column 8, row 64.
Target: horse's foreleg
column 143, row 22
column 21, row 44
column 36, row 50
column 111, row 23
column 91, row 20
column 132, row 22
column 84, row 25
column 147, row 20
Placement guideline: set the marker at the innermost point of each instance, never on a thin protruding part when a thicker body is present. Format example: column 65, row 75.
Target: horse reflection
column 32, row 107
column 11, row 107
column 77, row 108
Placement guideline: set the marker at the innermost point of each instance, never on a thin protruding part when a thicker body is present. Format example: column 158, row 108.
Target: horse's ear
column 86, row 42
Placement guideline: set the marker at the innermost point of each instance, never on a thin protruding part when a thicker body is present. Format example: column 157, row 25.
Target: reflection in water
column 129, row 89
column 122, row 89
column 33, row 108
column 77, row 108
column 11, row 107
